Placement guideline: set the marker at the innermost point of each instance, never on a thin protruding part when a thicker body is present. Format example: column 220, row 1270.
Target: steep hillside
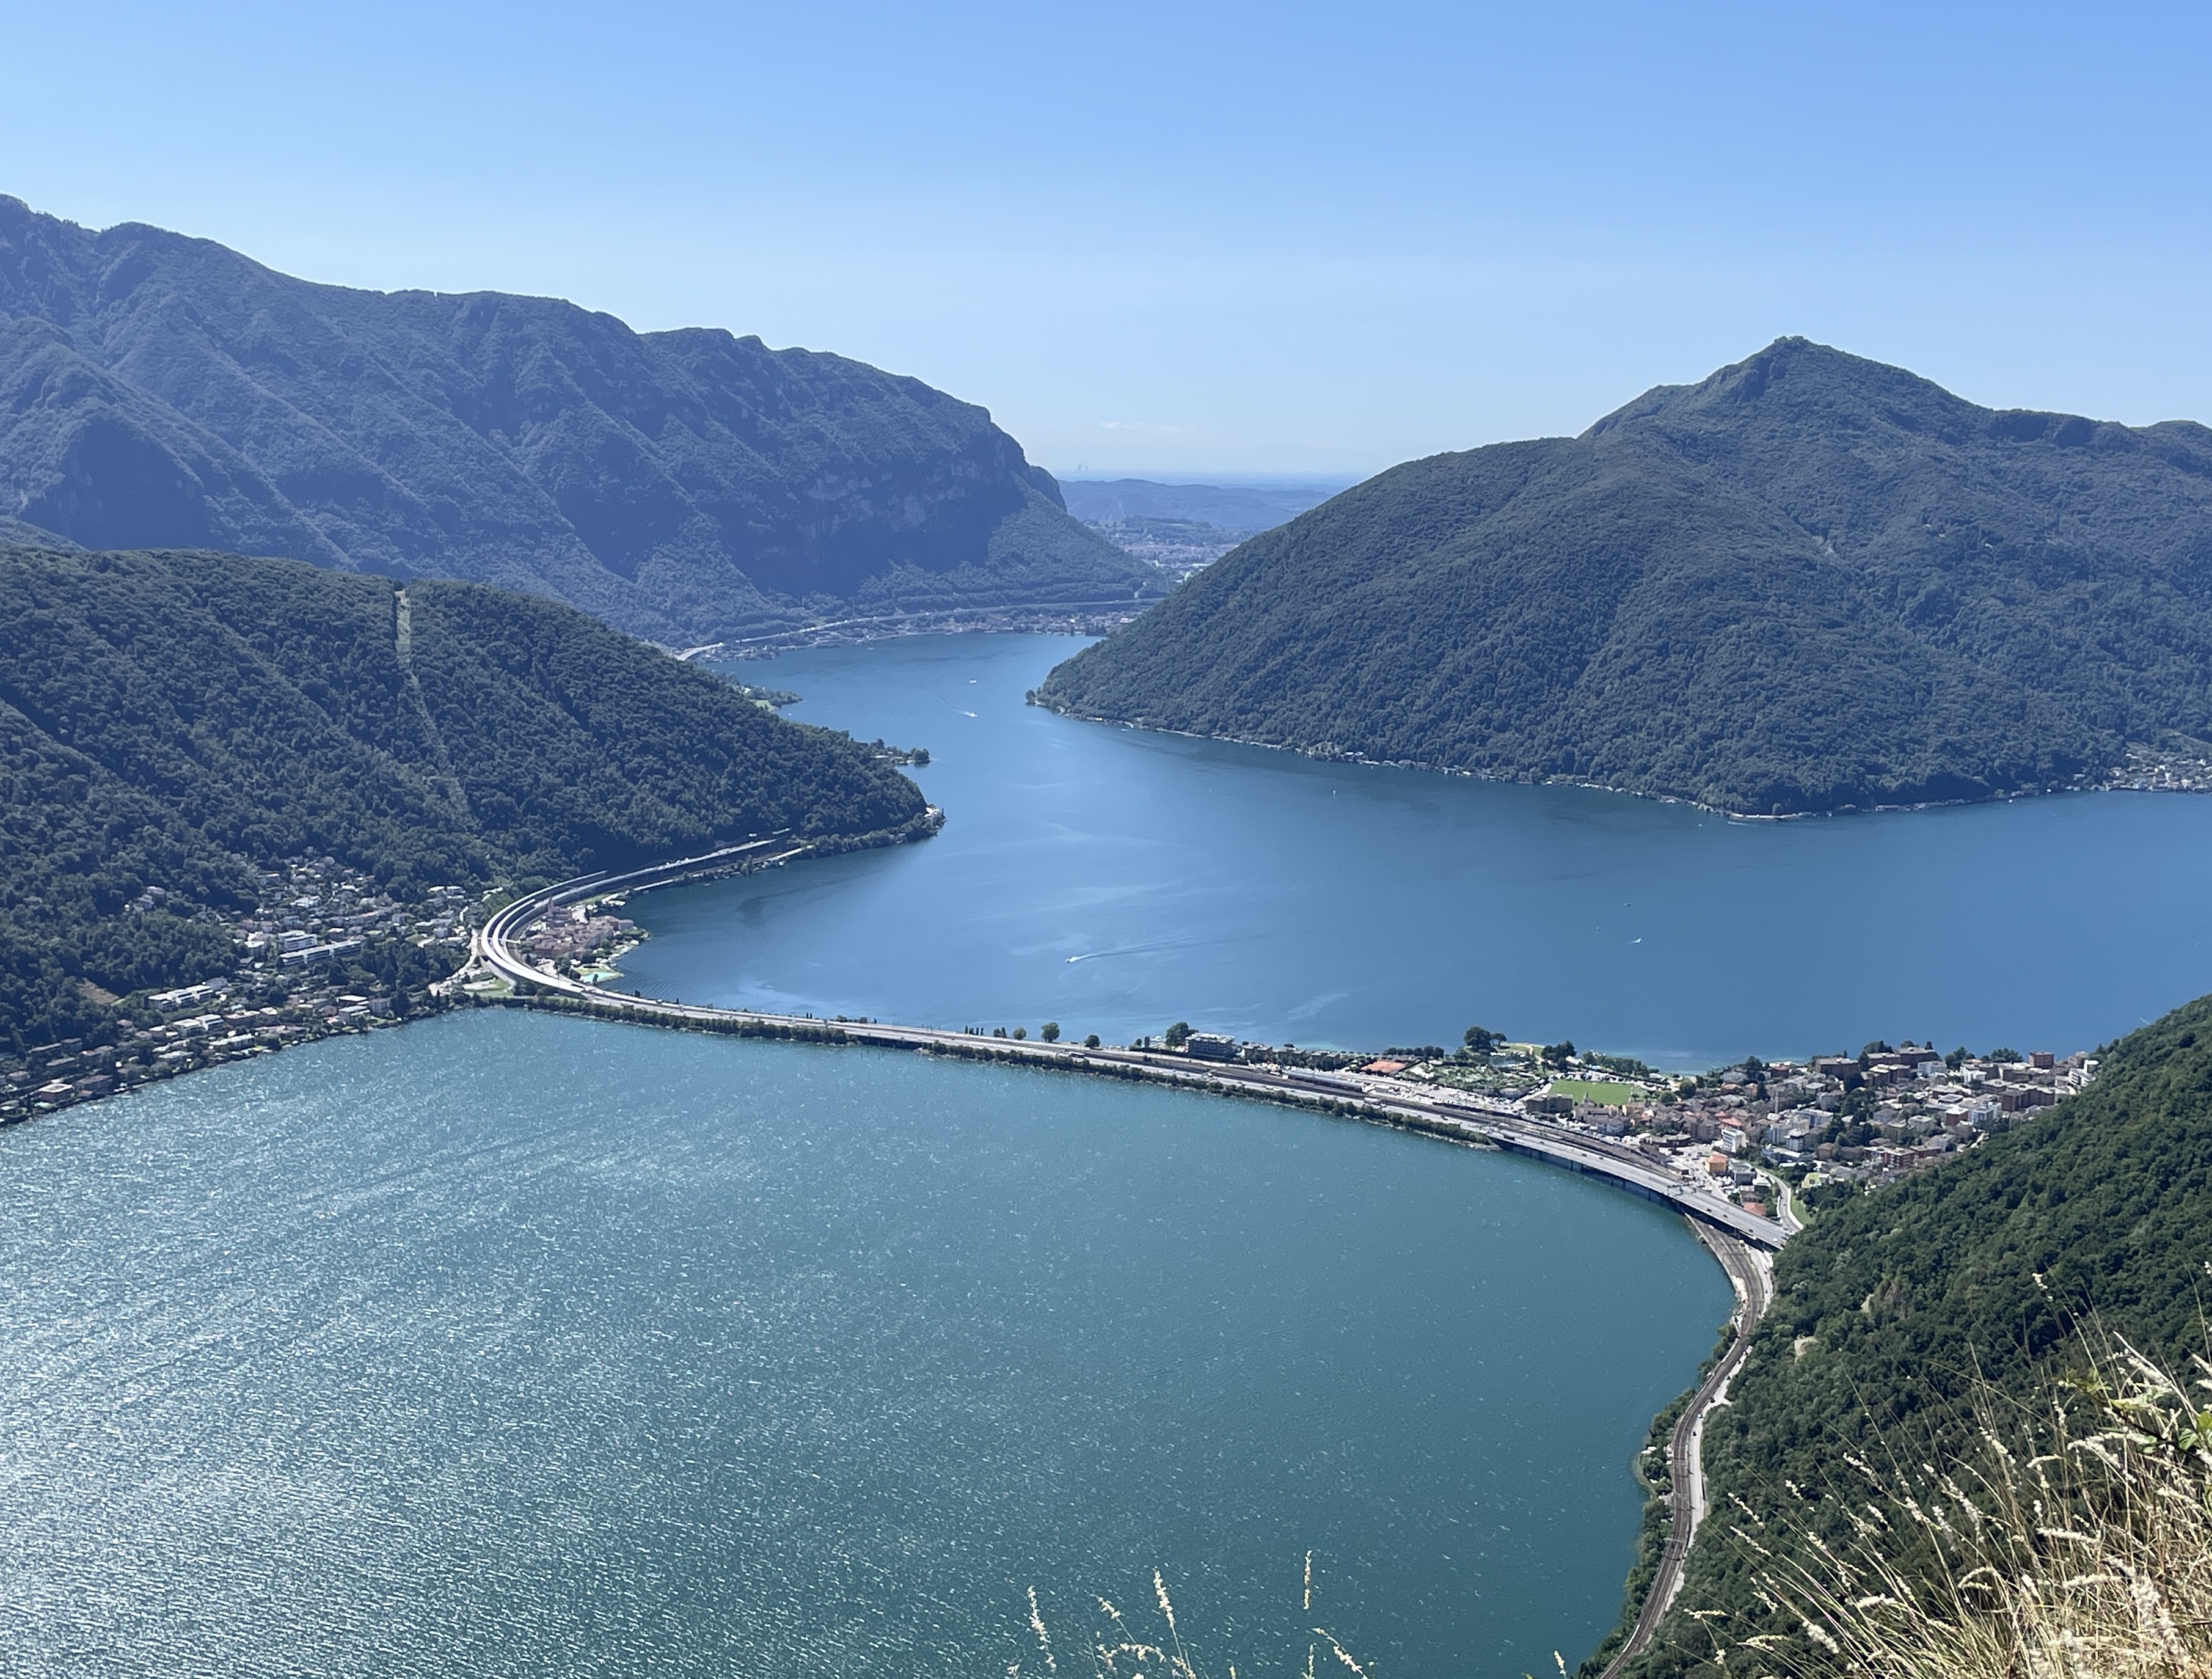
column 1890, row 1308
column 1810, row 582
column 161, row 391
column 171, row 719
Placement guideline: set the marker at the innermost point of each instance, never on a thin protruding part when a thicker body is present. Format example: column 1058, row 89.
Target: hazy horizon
column 1283, row 242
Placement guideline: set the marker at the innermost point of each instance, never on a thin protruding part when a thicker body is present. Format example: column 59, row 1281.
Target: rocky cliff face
column 157, row 391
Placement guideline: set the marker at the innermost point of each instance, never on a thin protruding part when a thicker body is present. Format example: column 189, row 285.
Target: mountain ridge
column 1894, row 1309
column 177, row 719
column 161, row 391
column 1807, row 582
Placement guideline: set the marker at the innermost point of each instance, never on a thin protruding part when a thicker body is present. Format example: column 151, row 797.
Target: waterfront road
column 1742, row 1241
column 1747, row 1270
column 1477, row 1118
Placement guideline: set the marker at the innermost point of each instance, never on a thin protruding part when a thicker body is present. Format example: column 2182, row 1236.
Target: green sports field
column 1605, row 1092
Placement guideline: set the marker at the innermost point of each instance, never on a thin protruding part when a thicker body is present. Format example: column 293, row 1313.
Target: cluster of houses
column 312, row 912
column 573, row 934
column 316, row 909
column 1836, row 1119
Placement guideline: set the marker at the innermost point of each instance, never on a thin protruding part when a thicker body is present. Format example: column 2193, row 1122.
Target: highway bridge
column 1449, row 1112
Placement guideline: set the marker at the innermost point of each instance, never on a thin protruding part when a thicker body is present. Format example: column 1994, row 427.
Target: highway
column 1742, row 1242
column 1747, row 1272
column 1476, row 1118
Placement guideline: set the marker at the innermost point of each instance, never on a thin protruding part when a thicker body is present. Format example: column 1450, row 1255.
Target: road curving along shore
column 1742, row 1242
column 1456, row 1114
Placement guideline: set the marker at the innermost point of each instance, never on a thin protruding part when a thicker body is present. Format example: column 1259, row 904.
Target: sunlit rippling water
column 510, row 1344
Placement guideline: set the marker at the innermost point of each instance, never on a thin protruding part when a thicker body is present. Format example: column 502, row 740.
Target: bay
column 1115, row 881
column 514, row 1344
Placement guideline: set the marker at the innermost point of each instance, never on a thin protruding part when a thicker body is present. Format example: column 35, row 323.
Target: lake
column 517, row 1344
column 1115, row 881
column 512, row 1344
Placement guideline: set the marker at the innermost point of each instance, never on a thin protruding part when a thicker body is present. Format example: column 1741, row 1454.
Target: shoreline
column 1077, row 617
column 1734, row 1238
column 2115, row 780
column 1750, row 1272
column 1459, row 1116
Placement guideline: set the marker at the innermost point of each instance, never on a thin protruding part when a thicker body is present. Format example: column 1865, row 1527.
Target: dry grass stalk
column 2078, row 1546
column 1121, row 1652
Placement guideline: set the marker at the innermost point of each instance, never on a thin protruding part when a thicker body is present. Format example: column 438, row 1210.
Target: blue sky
column 1229, row 238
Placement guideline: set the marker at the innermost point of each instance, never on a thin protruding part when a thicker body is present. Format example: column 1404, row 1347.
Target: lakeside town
column 327, row 951
column 1831, row 1123
column 1817, row 1130
column 324, row 950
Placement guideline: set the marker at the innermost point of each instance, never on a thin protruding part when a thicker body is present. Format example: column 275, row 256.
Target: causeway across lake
column 515, row 1344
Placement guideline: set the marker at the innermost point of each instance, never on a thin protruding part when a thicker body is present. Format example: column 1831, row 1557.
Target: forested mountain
column 157, row 391
column 1810, row 581
column 2096, row 1215
column 172, row 720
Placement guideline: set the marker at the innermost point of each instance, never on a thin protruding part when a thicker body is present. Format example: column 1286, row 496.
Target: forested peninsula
column 177, row 728
column 1810, row 582
column 1900, row 1316
column 687, row 486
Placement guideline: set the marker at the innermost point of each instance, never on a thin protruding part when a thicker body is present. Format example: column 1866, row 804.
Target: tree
column 1021, row 1031
column 1178, row 1035
column 1050, row 1031
column 1481, row 1040
column 1092, row 1042
column 1559, row 1054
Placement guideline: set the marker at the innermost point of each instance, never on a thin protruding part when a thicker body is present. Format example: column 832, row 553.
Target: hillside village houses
column 315, row 956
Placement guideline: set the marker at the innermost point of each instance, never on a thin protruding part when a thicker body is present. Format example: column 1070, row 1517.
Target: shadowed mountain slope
column 161, row 391
column 1810, row 581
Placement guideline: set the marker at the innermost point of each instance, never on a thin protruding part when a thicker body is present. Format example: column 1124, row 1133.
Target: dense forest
column 1808, row 582
column 2095, row 1216
column 158, row 391
column 176, row 719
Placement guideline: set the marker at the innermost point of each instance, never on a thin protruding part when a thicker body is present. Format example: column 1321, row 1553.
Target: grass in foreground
column 1117, row 1650
column 2078, row 1546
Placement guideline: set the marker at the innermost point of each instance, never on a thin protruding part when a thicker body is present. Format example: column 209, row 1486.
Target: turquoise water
column 510, row 1344
column 1115, row 881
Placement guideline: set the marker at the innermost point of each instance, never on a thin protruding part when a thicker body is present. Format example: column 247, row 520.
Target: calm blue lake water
column 509, row 1344
column 1115, row 881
